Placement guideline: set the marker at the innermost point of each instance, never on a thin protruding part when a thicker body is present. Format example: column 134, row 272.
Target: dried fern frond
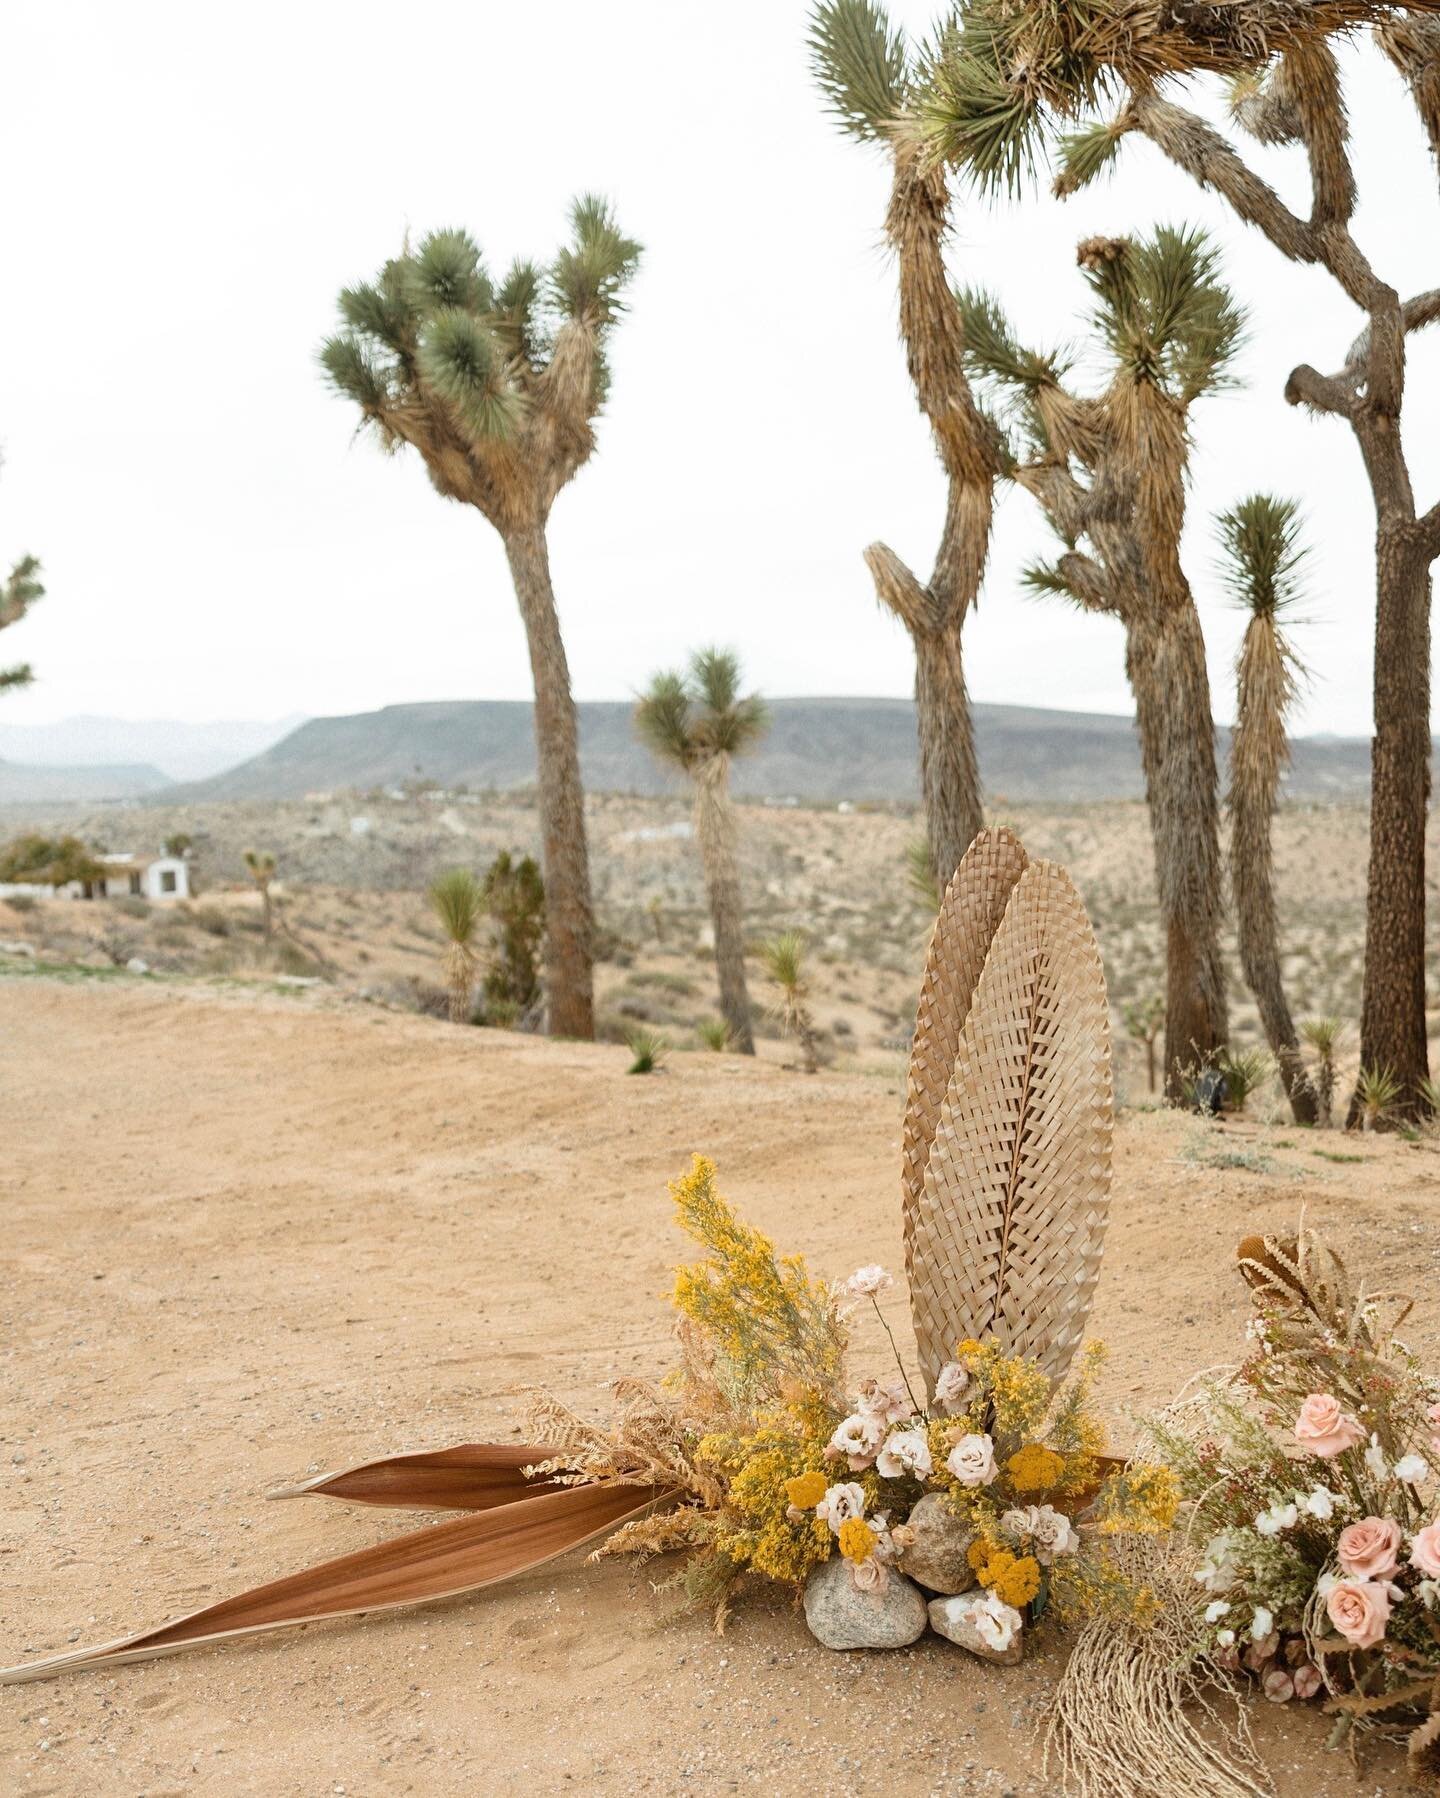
column 1009, row 1227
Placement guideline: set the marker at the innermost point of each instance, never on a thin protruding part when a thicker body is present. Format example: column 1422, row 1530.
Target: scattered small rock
column 840, row 1615
column 937, row 1557
column 948, row 1619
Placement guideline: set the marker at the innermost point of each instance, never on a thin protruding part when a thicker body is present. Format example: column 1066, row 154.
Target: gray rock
column 842, row 1616
column 946, row 1620
column 936, row 1558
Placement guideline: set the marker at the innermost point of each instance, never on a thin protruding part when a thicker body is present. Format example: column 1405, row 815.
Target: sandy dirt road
column 248, row 1237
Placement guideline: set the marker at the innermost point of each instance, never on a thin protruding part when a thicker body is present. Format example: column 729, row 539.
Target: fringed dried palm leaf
column 461, row 1555
column 1118, row 1724
column 1011, row 1222
column 970, row 914
column 472, row 1476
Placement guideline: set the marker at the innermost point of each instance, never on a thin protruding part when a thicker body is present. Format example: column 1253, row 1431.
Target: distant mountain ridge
column 822, row 750
column 179, row 749
column 32, row 783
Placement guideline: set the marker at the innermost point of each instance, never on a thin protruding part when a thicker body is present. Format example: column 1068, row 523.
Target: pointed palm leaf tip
column 1010, row 1225
column 969, row 916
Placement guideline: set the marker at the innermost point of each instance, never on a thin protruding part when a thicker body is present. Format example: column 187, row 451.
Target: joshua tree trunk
column 267, row 912
column 715, row 827
column 1392, row 1020
column 569, row 923
column 1165, row 659
column 949, row 777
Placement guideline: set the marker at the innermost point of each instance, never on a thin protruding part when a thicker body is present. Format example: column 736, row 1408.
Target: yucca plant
column 1263, row 554
column 1244, row 1072
column 19, row 592
column 714, row 1034
column 1108, row 469
column 698, row 722
column 458, row 902
column 497, row 386
column 920, row 876
column 1379, row 1092
column 1013, row 81
column 784, row 958
column 260, row 866
column 1429, row 1094
column 1323, row 1036
column 1144, row 1020
column 647, row 1049
column 872, row 81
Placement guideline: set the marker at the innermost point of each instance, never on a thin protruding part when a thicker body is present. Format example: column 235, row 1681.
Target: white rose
column 951, row 1387
column 866, row 1282
column 972, row 1461
column 841, row 1503
column 886, row 1401
column 857, row 1439
column 995, row 1622
column 1048, row 1531
column 905, row 1451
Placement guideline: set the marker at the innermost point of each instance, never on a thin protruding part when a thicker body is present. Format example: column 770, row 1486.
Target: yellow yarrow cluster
column 1035, row 1468
column 1013, row 1578
column 807, row 1491
column 755, row 1529
column 857, row 1539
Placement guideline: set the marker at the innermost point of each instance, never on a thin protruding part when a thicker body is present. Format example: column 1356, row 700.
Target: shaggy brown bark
column 1302, row 102
column 934, row 613
column 715, row 829
column 569, row 922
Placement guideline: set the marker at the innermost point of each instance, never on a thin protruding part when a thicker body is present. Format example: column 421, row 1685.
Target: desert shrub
column 714, row 1033
column 22, row 903
column 514, row 895
column 290, row 958
column 499, row 1014
column 1244, row 1071
column 132, row 905
column 47, row 861
column 212, row 919
column 648, row 1049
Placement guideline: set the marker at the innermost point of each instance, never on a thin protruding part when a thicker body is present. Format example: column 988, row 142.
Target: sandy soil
column 252, row 1236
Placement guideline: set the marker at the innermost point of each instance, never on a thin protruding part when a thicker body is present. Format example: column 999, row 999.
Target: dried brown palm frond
column 1010, row 1225
column 648, row 1444
column 969, row 916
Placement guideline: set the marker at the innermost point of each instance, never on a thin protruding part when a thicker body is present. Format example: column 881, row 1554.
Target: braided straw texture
column 1010, row 1222
column 970, row 914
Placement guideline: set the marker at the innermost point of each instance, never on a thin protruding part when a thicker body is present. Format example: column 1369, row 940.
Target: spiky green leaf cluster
column 1263, row 553
column 458, row 902
column 1163, row 310
column 860, row 63
column 689, row 718
column 1082, row 156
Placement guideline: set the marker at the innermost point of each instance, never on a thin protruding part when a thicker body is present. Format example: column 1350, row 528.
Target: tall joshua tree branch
column 498, row 389
column 1108, row 470
column 869, row 78
column 1011, row 79
column 17, row 595
column 1263, row 553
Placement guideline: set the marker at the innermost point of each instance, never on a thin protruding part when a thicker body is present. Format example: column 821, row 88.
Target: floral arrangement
column 785, row 1468
column 1311, row 1481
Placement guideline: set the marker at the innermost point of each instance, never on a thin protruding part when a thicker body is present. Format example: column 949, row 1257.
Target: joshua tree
column 1143, row 1023
column 784, row 959
column 699, row 722
column 873, row 84
column 1323, row 1037
column 1010, row 74
column 1109, row 472
column 17, row 596
column 458, row 902
column 260, row 865
column 498, row 389
column 179, row 844
column 1263, row 553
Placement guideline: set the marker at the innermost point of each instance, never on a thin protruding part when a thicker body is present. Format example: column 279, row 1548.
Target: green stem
column 896, row 1352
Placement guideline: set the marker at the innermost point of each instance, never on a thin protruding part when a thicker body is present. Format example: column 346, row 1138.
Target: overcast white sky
column 187, row 187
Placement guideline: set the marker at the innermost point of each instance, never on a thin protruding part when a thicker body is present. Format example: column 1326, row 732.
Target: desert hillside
column 356, row 1232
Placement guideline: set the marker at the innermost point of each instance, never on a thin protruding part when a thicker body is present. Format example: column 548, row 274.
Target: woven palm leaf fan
column 1010, row 1221
column 970, row 914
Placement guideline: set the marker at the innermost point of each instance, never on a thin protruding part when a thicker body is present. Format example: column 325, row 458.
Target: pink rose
column 1369, row 1549
column 1425, row 1550
column 1322, row 1428
column 1359, row 1609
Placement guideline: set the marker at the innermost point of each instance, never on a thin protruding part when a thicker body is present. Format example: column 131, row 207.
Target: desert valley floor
column 252, row 1235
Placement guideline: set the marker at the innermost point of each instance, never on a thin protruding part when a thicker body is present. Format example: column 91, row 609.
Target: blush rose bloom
column 885, row 1400
column 951, row 1387
column 857, row 1440
column 840, row 1504
column 905, row 1451
column 1359, row 1609
column 867, row 1282
column 1425, row 1550
column 1323, row 1429
column 972, row 1461
column 1369, row 1549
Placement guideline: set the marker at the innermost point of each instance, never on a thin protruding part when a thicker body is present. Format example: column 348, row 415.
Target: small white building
column 159, row 877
